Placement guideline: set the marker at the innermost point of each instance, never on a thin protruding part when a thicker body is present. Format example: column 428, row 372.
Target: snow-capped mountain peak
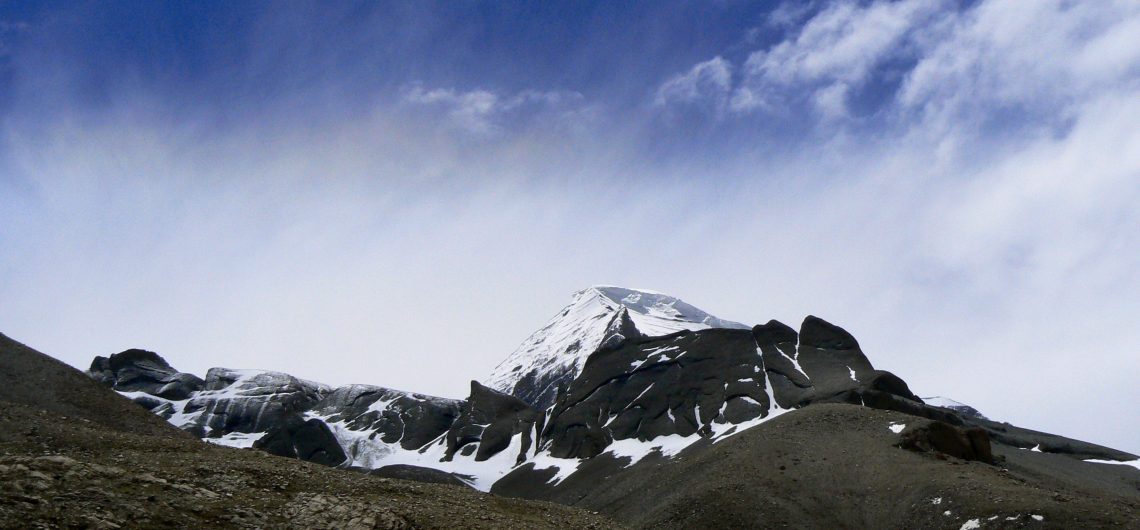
column 554, row 354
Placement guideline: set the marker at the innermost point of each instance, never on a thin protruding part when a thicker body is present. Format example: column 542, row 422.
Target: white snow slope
column 575, row 332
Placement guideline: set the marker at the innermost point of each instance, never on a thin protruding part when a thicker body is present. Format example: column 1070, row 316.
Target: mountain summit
column 626, row 393
column 554, row 355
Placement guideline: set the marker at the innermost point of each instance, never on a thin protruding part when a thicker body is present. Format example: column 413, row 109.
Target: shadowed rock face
column 249, row 401
column 311, row 440
column 490, row 419
column 936, row 436
column 144, row 371
column 778, row 344
column 411, row 420
column 687, row 382
column 676, row 384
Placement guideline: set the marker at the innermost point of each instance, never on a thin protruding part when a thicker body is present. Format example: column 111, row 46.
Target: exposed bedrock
column 935, row 436
column 488, row 422
column 144, row 371
column 310, row 440
column 412, row 420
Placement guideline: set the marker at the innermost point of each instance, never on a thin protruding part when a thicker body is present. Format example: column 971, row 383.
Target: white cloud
column 831, row 101
column 474, row 110
column 987, row 222
column 707, row 83
column 483, row 112
column 1037, row 60
column 838, row 47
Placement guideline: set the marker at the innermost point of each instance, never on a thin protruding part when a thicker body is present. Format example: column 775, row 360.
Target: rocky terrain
column 73, row 454
column 841, row 466
column 674, row 418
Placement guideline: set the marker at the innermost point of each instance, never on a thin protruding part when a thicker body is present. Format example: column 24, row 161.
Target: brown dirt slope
column 28, row 377
column 836, row 466
column 74, row 454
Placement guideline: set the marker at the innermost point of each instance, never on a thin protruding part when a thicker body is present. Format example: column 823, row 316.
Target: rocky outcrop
column 418, row 474
column 396, row 417
column 144, row 371
column 248, row 401
column 489, row 422
column 940, row 437
column 691, row 382
column 310, row 440
column 678, row 384
column 778, row 345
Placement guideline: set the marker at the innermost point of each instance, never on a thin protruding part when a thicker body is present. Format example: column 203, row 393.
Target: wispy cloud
column 485, row 112
column 706, row 84
column 838, row 48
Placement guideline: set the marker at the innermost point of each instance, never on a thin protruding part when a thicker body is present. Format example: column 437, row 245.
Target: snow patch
column 972, row 524
column 564, row 467
column 897, row 428
column 241, row 440
column 1132, row 463
column 369, row 451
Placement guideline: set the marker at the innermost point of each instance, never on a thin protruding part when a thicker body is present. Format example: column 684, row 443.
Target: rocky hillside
column 73, row 454
column 845, row 466
column 627, row 393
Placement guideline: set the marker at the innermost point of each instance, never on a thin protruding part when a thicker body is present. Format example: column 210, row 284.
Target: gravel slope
column 836, row 466
column 75, row 454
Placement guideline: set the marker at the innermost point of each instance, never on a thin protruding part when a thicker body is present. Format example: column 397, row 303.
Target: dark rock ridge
column 488, row 423
column 144, row 371
column 693, row 384
column 392, row 416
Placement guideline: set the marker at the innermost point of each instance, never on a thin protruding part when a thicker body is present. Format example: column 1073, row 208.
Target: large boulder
column 144, row 371
column 295, row 437
column 935, row 436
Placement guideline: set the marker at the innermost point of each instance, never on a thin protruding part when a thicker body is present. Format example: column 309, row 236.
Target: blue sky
column 399, row 193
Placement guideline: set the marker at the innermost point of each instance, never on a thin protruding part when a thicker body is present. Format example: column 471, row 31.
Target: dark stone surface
column 936, row 436
column 676, row 384
column 540, row 389
column 250, row 401
column 294, row 437
column 410, row 419
column 144, row 371
column 778, row 344
column 418, row 474
column 488, row 421
column 828, row 354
